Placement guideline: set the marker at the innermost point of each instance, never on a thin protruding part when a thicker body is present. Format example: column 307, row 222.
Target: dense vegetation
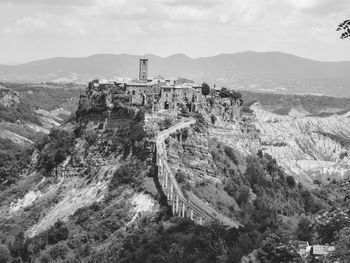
column 47, row 97
column 22, row 112
column 273, row 210
column 55, row 148
column 265, row 194
column 13, row 159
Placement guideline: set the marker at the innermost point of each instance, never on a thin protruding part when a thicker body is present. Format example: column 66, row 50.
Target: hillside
column 94, row 189
column 30, row 110
column 27, row 113
column 268, row 72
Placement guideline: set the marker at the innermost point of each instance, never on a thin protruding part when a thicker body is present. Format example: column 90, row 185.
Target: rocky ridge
column 307, row 147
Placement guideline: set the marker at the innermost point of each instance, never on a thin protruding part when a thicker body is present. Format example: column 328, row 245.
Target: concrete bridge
column 188, row 206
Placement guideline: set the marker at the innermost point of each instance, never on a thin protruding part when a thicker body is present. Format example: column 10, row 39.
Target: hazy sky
column 35, row 29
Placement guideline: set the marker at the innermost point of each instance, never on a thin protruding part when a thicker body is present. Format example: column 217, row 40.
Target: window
column 133, row 92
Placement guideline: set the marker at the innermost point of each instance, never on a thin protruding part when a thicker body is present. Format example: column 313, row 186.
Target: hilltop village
column 155, row 94
column 176, row 161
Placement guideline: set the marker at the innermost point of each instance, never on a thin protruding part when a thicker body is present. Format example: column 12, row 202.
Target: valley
column 240, row 174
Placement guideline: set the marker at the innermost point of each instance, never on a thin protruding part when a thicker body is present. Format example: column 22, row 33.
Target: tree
column 244, row 194
column 224, row 93
column 342, row 251
column 213, row 118
column 275, row 249
column 57, row 233
column 4, row 254
column 233, row 95
column 60, row 156
column 345, row 28
column 304, row 230
column 205, row 89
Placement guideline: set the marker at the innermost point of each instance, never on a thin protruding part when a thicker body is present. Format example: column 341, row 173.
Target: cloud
column 49, row 2
column 196, row 27
column 320, row 7
column 195, row 3
column 28, row 24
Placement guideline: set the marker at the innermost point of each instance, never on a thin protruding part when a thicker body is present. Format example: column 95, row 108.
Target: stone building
column 143, row 69
column 157, row 94
column 140, row 92
column 231, row 110
column 161, row 93
column 176, row 97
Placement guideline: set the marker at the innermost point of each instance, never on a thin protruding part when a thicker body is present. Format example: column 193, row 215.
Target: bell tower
column 143, row 69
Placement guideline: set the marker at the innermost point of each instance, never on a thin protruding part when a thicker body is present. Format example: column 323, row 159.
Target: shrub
column 91, row 138
column 230, row 152
column 4, row 254
column 60, row 156
column 168, row 122
column 290, row 181
column 55, row 148
column 304, row 230
column 205, row 89
column 211, row 102
column 57, row 233
column 185, row 133
column 45, row 258
column 127, row 174
column 317, row 181
column 180, row 176
column 213, row 118
column 243, row 196
column 58, row 251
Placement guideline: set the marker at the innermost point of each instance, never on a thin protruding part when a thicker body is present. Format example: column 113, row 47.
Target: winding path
column 190, row 206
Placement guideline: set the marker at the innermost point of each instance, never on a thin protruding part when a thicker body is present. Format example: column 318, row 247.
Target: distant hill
column 268, row 71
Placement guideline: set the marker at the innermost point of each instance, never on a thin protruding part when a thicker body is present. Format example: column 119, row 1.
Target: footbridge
column 182, row 205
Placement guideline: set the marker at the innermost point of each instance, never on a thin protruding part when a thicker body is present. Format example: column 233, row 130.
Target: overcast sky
column 36, row 29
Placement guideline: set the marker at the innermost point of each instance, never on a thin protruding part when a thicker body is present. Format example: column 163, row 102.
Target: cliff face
column 100, row 168
column 8, row 97
column 102, row 105
column 307, row 147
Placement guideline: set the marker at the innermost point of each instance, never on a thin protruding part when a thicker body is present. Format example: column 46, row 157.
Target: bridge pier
column 177, row 203
column 181, row 206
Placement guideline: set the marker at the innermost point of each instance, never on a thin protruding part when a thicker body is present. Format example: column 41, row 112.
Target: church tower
column 143, row 70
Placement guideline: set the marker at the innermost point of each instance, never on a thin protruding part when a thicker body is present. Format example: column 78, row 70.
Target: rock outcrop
column 105, row 107
column 307, row 147
column 8, row 97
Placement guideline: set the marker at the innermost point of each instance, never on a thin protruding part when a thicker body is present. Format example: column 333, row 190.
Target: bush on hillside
column 22, row 112
column 57, row 232
column 213, row 119
column 13, row 159
column 4, row 254
column 55, row 148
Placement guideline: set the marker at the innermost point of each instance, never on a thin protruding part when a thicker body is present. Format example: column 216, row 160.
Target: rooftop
column 322, row 250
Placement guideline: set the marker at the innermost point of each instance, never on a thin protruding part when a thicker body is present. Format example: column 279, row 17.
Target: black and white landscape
column 165, row 157
column 259, row 71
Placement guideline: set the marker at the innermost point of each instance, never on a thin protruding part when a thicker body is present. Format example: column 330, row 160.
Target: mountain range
column 262, row 71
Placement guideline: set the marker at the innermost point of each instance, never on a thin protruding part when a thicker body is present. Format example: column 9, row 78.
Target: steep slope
column 29, row 111
column 307, row 147
column 93, row 193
